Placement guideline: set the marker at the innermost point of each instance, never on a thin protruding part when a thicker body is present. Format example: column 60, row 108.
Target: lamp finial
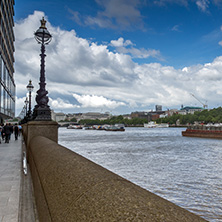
column 43, row 22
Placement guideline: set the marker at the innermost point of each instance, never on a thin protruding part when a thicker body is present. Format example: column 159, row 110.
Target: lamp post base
column 42, row 114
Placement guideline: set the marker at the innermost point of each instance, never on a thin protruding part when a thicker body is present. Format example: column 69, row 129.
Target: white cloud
column 203, row 5
column 123, row 47
column 88, row 101
column 83, row 74
column 176, row 28
column 117, row 14
column 164, row 2
column 120, row 42
column 61, row 104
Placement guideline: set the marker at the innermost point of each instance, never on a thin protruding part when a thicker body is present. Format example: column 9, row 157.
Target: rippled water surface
column 186, row 171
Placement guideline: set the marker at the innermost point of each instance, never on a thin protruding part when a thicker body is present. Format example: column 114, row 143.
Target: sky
column 121, row 56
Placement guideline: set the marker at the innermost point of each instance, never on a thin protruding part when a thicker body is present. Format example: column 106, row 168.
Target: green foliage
column 115, row 120
column 205, row 116
column 73, row 120
column 13, row 120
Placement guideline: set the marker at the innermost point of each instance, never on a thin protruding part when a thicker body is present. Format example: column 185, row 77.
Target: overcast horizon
column 121, row 56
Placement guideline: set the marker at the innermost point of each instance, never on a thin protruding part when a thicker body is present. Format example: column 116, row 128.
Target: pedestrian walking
column 20, row 130
column 3, row 133
column 7, row 132
column 11, row 129
column 16, row 131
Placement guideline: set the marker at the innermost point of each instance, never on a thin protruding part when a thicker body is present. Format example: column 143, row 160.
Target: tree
column 206, row 116
column 73, row 120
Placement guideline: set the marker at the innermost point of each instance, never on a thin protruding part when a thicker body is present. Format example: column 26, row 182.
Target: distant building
column 190, row 110
column 154, row 115
column 170, row 112
column 163, row 115
column 58, row 116
column 127, row 116
column 158, row 108
column 182, row 112
column 141, row 115
column 7, row 38
column 95, row 115
column 70, row 116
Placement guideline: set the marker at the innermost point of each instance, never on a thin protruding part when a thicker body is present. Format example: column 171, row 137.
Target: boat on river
column 150, row 125
column 115, row 128
column 155, row 125
column 204, row 131
column 74, row 127
column 162, row 125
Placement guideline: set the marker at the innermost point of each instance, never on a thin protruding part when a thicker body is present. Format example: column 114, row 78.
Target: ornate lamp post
column 24, row 115
column 26, row 104
column 42, row 110
column 30, row 89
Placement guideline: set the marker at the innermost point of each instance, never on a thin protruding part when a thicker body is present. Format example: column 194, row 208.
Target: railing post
column 48, row 129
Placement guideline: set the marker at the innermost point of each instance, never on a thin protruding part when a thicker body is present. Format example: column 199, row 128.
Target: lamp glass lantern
column 30, row 86
column 42, row 35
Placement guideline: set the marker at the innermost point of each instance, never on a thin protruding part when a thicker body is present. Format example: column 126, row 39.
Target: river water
column 186, row 171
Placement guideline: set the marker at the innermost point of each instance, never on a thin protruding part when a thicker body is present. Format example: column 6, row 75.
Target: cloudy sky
column 121, row 56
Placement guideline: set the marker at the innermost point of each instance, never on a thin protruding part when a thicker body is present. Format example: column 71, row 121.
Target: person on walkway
column 16, row 131
column 3, row 133
column 11, row 129
column 7, row 132
column 20, row 130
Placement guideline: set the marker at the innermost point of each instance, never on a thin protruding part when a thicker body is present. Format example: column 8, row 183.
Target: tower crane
column 204, row 105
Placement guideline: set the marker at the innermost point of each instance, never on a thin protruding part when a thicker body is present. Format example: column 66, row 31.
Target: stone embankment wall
column 68, row 187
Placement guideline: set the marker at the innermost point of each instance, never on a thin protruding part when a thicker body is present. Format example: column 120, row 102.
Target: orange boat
column 214, row 132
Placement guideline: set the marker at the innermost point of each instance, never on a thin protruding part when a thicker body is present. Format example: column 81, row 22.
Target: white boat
column 162, row 125
column 155, row 125
column 115, row 128
column 150, row 125
column 88, row 128
column 74, row 127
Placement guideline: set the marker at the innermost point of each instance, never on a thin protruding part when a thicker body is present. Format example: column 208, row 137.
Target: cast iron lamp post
column 30, row 89
column 26, row 104
column 24, row 117
column 42, row 110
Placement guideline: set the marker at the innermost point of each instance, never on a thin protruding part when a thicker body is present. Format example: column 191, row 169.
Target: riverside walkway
column 16, row 202
column 10, row 178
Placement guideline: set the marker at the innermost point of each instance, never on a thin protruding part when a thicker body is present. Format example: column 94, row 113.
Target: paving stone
column 10, row 218
column 4, row 200
column 5, row 188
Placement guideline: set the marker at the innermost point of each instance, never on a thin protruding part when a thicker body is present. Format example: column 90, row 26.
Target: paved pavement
column 10, row 178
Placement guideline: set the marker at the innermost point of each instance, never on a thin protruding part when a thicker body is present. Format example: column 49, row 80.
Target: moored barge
column 214, row 132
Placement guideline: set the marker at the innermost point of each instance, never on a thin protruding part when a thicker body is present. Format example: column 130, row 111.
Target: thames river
column 186, row 171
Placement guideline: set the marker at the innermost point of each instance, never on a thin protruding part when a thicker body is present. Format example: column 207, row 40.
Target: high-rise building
column 7, row 38
column 158, row 108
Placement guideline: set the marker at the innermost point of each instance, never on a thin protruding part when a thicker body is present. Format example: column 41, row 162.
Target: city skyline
column 121, row 56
